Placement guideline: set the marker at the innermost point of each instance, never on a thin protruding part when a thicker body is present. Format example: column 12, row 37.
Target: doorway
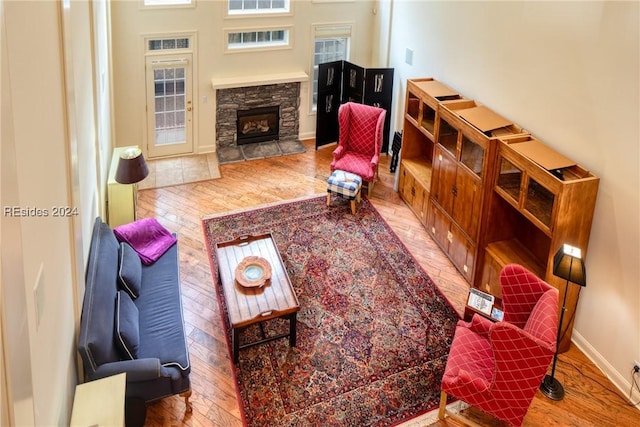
column 169, row 105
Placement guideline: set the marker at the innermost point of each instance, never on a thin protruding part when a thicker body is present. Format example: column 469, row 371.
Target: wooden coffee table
column 247, row 306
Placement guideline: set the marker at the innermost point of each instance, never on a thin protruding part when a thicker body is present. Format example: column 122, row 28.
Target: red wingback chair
column 360, row 141
column 498, row 366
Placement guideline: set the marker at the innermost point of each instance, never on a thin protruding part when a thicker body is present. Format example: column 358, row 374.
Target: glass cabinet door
column 472, row 155
column 413, row 106
column 448, row 137
column 539, row 202
column 509, row 179
column 428, row 118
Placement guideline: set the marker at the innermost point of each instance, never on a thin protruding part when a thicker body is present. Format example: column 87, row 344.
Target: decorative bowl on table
column 253, row 272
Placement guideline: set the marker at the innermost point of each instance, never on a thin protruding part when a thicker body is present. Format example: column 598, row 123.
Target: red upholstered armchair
column 498, row 367
column 360, row 141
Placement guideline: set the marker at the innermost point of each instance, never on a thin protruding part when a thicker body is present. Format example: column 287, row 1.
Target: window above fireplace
column 243, row 40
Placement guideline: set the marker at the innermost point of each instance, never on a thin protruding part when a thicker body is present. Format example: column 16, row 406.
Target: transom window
column 169, row 44
column 168, row 2
column 258, row 39
column 240, row 7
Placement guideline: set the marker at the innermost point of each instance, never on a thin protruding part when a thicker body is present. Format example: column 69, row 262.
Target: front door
column 169, row 105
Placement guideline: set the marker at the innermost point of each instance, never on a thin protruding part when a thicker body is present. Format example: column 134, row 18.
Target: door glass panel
column 170, row 125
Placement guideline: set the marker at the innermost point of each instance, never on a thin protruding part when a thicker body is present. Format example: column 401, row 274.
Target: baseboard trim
column 307, row 135
column 621, row 383
column 203, row 149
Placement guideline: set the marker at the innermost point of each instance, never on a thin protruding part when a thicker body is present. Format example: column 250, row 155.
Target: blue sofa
column 142, row 334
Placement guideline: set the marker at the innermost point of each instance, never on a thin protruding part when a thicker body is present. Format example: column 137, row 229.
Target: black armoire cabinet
column 342, row 81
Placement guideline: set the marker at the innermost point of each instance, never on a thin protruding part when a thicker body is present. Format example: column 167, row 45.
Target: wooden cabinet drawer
column 458, row 191
column 438, row 227
column 414, row 193
column 405, row 183
column 460, row 250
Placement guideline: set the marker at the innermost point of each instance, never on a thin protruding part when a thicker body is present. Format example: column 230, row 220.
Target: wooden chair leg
column 353, row 206
column 328, row 199
column 443, row 412
column 187, row 395
column 443, row 405
column 370, row 187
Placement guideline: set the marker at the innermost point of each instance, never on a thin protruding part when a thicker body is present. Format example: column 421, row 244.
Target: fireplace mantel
column 258, row 80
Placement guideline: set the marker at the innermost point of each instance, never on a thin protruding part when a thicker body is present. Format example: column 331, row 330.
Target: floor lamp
column 568, row 265
column 132, row 168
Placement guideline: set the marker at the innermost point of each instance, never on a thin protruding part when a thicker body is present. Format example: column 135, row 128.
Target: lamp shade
column 132, row 167
column 568, row 264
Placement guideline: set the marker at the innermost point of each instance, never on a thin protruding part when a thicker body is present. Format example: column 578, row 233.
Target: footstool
column 346, row 185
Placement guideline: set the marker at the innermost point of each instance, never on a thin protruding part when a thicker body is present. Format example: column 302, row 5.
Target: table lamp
column 132, row 168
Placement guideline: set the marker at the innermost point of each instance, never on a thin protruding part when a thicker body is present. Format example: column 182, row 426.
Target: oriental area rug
column 373, row 331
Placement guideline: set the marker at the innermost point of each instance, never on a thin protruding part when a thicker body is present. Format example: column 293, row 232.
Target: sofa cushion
column 129, row 270
column 96, row 340
column 127, row 326
column 147, row 236
column 161, row 323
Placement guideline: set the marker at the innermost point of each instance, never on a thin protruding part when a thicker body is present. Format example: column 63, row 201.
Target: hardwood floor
column 591, row 400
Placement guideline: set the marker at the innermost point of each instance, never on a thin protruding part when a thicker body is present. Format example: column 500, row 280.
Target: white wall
column 568, row 72
column 208, row 19
column 55, row 161
column 17, row 391
column 41, row 160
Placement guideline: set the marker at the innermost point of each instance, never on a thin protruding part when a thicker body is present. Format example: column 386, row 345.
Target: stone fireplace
column 257, row 116
column 286, row 96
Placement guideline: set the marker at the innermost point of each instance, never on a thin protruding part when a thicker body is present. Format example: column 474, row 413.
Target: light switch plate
column 408, row 56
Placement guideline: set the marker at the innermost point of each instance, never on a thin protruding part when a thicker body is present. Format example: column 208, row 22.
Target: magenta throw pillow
column 147, row 237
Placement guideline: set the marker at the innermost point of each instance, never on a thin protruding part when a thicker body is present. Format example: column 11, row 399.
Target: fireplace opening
column 258, row 125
